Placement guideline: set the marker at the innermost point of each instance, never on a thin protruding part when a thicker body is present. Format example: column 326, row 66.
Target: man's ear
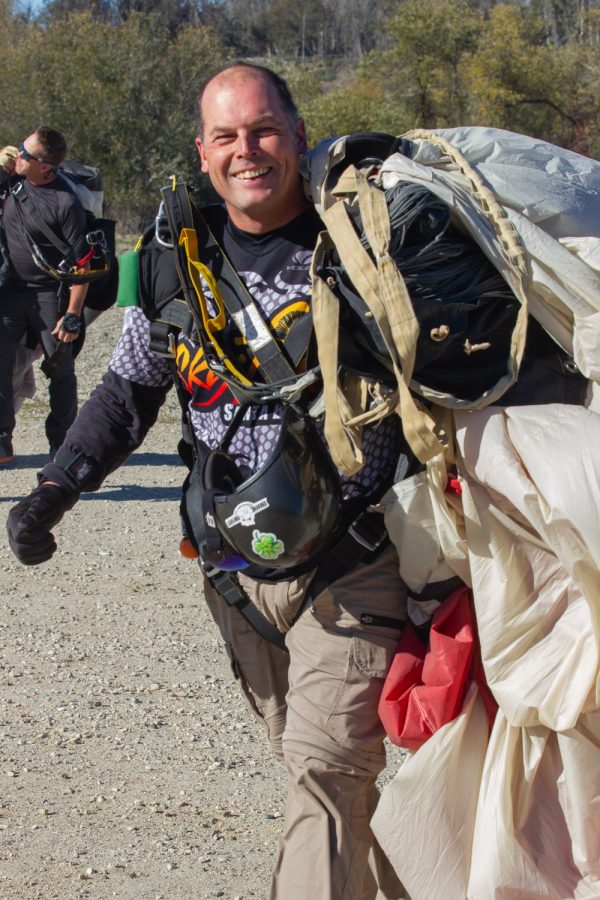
column 48, row 171
column 301, row 136
column 201, row 154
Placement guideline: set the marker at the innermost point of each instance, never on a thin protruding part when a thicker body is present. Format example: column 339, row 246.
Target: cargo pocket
column 354, row 720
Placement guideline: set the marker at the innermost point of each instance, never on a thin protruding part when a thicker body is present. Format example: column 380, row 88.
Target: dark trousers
column 35, row 312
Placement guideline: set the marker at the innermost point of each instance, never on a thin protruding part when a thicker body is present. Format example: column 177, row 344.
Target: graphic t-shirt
column 275, row 270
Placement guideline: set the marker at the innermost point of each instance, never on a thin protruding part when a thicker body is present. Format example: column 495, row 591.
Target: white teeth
column 251, row 173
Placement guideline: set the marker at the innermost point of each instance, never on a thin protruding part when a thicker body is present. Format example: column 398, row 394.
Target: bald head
column 240, row 72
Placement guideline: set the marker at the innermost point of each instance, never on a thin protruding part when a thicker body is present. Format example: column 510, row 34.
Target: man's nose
column 247, row 144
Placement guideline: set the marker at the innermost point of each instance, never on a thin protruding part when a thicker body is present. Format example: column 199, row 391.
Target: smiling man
column 29, row 303
column 300, row 576
column 249, row 143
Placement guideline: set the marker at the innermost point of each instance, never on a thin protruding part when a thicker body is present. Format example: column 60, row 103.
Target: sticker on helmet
column 266, row 545
column 245, row 513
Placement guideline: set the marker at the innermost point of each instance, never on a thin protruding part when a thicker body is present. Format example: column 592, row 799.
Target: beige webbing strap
column 383, row 290
column 507, row 237
column 396, row 302
column 381, row 286
column 344, row 441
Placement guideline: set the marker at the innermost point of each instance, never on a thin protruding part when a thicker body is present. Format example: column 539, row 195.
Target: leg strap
column 227, row 585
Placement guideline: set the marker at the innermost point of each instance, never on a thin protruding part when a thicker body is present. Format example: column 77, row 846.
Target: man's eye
column 223, row 138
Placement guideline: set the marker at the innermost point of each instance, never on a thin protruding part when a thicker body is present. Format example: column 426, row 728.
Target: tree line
column 119, row 77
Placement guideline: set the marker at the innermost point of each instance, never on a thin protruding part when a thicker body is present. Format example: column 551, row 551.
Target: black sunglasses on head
column 28, row 157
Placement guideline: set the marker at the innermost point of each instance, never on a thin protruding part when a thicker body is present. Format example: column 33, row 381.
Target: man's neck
column 252, row 225
column 41, row 180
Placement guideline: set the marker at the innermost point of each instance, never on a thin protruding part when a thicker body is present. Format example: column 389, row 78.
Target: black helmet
column 282, row 516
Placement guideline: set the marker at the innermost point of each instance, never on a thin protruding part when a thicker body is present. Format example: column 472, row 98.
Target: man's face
column 250, row 149
column 34, row 168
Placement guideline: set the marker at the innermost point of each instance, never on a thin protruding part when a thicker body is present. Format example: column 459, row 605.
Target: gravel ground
column 129, row 764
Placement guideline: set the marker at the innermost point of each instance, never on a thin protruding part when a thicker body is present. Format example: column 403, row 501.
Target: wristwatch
column 71, row 323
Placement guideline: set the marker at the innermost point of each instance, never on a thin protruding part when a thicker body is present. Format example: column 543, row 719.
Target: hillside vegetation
column 120, row 78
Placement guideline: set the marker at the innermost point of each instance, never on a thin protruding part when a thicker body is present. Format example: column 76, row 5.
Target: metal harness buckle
column 371, row 537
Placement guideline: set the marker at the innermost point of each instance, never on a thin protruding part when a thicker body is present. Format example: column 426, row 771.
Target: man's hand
column 68, row 328
column 31, row 520
column 8, row 156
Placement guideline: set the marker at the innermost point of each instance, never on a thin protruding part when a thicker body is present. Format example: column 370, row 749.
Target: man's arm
column 111, row 424
column 77, row 295
column 73, row 225
column 77, row 298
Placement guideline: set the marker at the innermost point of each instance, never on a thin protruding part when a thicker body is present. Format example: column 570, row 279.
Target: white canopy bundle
column 515, row 814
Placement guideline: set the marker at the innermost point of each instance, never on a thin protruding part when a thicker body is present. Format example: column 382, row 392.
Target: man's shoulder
column 156, row 271
column 157, row 241
column 56, row 187
column 66, row 193
column 57, row 196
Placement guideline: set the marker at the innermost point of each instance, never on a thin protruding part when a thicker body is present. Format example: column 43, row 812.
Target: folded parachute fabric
column 517, row 814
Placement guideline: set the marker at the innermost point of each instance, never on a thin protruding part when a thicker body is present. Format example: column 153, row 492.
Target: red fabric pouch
column 426, row 686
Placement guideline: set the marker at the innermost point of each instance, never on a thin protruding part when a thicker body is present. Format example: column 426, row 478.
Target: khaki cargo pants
column 319, row 706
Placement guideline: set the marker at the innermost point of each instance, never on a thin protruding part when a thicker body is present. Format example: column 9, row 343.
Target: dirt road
column 129, row 764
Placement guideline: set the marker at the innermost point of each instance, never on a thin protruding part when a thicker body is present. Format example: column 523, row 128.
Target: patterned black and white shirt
column 275, row 269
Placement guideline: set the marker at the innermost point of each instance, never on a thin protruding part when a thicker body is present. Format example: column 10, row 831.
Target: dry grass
column 125, row 241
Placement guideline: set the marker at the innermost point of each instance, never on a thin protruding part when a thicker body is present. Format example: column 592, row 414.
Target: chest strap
column 173, row 319
column 199, row 257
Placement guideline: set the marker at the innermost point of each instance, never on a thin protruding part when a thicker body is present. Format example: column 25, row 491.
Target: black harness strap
column 242, row 308
column 174, row 317
column 365, row 539
column 23, row 200
column 228, row 587
column 65, row 276
column 234, row 295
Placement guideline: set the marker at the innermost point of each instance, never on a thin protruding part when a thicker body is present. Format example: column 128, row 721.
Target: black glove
column 30, row 521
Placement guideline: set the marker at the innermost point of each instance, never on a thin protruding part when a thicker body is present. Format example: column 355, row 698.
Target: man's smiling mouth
column 249, row 174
